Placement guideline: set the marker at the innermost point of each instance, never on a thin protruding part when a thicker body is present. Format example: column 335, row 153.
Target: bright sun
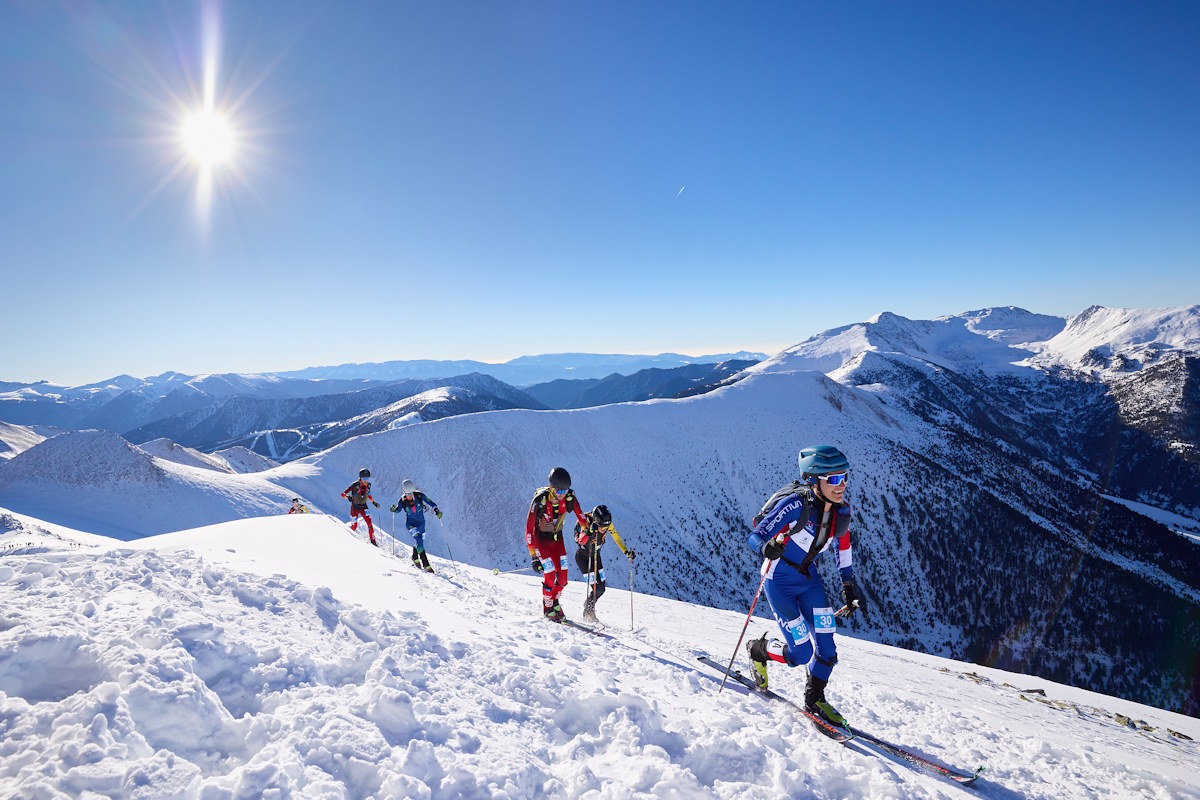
column 208, row 138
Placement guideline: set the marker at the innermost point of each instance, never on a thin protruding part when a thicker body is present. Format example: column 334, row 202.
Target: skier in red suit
column 543, row 537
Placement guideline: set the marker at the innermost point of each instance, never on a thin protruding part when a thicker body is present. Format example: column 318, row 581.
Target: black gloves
column 536, row 564
column 393, row 509
column 854, row 600
column 376, row 504
column 630, row 553
column 773, row 549
column 438, row 512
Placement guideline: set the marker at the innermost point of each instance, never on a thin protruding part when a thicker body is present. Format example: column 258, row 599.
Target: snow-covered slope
column 1120, row 340
column 242, row 459
column 945, row 516
column 980, row 494
column 177, row 453
column 435, row 403
column 98, row 482
column 281, row 657
column 16, row 439
column 1009, row 340
column 683, row 477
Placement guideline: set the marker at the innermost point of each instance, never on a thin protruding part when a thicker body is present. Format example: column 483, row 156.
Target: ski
column 823, row 726
column 963, row 778
column 854, row 734
column 580, row 626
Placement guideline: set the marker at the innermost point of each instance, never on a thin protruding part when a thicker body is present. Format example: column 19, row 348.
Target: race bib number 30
column 798, row 631
column 823, row 620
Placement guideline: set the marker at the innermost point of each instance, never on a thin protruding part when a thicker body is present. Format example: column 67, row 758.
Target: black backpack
column 806, row 497
column 795, row 487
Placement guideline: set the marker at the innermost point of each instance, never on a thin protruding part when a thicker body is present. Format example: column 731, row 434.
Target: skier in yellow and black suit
column 588, row 557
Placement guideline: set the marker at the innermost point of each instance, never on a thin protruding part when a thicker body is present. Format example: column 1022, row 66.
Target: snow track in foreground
column 283, row 655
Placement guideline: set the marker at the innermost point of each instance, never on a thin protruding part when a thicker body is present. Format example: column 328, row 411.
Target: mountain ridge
column 980, row 486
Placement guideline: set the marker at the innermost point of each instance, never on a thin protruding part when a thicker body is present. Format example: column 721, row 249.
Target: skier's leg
column 419, row 537
column 796, row 647
column 547, row 560
column 583, row 561
column 599, row 571
column 558, row 552
column 819, row 615
column 791, row 649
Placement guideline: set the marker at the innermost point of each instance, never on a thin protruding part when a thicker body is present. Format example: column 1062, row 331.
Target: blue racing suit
column 414, row 519
column 793, row 585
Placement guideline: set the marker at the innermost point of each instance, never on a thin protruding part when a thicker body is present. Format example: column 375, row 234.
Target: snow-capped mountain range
column 287, row 429
column 1009, row 496
column 282, row 657
column 520, row 372
column 646, row 384
column 125, row 402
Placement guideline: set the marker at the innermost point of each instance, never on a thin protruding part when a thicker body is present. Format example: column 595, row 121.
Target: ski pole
column 442, row 528
column 496, row 570
column 749, row 614
column 595, row 572
column 631, row 594
column 393, row 534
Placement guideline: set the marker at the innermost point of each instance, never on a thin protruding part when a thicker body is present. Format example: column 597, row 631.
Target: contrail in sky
column 681, row 188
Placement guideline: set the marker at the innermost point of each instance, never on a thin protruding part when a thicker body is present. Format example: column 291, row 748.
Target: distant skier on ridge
column 297, row 507
column 413, row 503
column 543, row 537
column 588, row 540
column 358, row 493
column 796, row 524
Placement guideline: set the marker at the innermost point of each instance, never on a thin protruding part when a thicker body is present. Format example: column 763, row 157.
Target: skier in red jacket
column 543, row 537
column 358, row 493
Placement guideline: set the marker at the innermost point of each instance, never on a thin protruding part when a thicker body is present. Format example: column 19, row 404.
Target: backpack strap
column 806, row 496
column 795, row 487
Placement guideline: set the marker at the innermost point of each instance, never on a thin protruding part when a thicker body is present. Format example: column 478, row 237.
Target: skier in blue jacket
column 413, row 504
column 797, row 524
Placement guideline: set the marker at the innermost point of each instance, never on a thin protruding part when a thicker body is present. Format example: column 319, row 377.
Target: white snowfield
column 283, row 657
column 1004, row 341
column 16, row 439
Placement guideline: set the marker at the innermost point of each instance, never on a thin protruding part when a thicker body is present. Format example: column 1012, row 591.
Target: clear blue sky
column 492, row 179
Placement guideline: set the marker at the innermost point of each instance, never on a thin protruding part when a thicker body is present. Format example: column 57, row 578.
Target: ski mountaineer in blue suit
column 797, row 524
column 413, row 504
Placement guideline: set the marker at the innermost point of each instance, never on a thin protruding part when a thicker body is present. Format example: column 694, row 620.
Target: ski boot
column 551, row 613
column 815, row 702
column 757, row 649
column 589, row 610
column 559, row 614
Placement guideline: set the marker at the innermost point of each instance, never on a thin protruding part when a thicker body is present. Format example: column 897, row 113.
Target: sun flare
column 208, row 138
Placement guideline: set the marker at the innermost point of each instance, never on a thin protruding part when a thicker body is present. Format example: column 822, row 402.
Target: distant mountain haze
column 523, row 371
